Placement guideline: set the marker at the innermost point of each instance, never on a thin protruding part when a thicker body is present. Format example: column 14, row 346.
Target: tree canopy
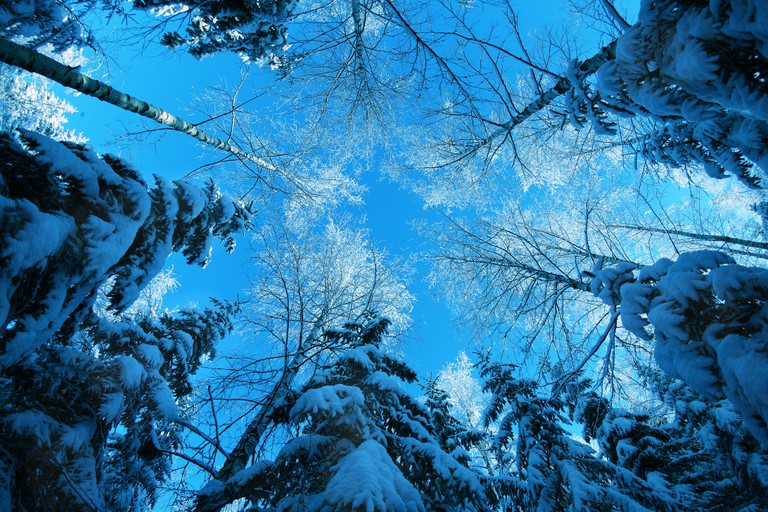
column 585, row 189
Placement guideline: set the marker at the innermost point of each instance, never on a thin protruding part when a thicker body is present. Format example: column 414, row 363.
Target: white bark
column 562, row 86
column 34, row 62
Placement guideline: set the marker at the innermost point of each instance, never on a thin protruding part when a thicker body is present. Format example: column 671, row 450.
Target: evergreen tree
column 696, row 70
column 304, row 284
column 452, row 436
column 364, row 443
column 554, row 471
column 37, row 23
column 254, row 30
column 703, row 456
column 708, row 319
column 88, row 401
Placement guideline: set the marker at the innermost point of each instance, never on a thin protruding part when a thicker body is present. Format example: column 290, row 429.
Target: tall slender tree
column 364, row 442
column 305, row 286
column 17, row 55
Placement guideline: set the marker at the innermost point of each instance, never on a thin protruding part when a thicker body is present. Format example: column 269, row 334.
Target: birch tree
column 302, row 182
column 25, row 58
column 306, row 285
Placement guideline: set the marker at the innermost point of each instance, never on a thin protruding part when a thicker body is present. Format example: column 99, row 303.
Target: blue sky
column 388, row 210
column 171, row 81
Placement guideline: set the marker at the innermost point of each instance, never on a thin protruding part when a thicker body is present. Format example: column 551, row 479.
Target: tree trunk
column 696, row 236
column 221, row 495
column 34, row 62
column 587, row 67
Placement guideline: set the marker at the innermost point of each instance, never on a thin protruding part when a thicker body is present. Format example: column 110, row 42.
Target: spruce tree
column 695, row 453
column 695, row 70
column 254, row 30
column 553, row 470
column 365, row 442
column 88, row 400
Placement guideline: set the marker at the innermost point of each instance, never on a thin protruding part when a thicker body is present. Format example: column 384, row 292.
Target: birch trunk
column 34, row 62
column 587, row 67
column 695, row 236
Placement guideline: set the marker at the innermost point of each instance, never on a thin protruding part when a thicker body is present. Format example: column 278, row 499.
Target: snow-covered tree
column 456, row 400
column 254, row 30
column 28, row 102
column 696, row 69
column 453, row 436
column 695, row 450
column 552, row 470
column 305, row 284
column 458, row 380
column 88, row 402
column 365, row 442
column 555, row 285
column 37, row 23
column 707, row 317
column 519, row 280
